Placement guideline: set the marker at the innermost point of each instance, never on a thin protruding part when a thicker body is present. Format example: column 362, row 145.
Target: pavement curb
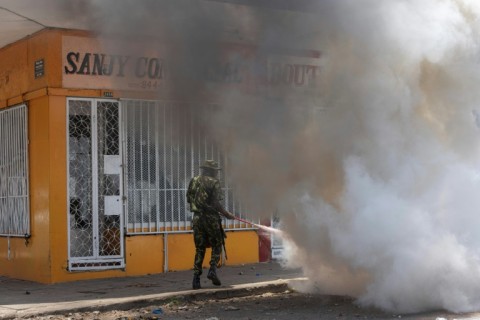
column 104, row 305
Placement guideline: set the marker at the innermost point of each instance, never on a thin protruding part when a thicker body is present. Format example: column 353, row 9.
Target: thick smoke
column 401, row 230
column 375, row 175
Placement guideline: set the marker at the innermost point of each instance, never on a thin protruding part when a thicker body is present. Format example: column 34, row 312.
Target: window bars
column 164, row 146
column 14, row 182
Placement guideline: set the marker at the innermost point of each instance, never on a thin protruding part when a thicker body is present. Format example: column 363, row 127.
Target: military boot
column 196, row 282
column 212, row 275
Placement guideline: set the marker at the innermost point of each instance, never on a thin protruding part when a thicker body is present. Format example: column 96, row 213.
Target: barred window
column 164, row 146
column 14, row 205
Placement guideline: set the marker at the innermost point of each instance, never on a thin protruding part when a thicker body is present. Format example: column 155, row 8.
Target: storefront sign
column 89, row 64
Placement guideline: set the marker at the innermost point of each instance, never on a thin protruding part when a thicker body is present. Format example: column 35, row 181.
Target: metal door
column 95, row 211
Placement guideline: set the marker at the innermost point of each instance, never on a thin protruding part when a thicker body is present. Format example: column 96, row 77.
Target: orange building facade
column 96, row 157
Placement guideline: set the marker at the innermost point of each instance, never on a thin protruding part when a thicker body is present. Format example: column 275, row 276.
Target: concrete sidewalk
column 23, row 298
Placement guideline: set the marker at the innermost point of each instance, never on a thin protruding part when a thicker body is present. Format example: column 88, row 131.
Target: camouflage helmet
column 210, row 164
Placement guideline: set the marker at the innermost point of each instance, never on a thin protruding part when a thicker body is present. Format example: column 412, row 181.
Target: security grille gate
column 14, row 205
column 95, row 185
column 164, row 146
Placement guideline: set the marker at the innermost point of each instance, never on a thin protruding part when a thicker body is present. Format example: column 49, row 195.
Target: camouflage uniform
column 204, row 194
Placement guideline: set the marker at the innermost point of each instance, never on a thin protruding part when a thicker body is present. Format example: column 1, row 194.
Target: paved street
column 279, row 303
column 255, row 291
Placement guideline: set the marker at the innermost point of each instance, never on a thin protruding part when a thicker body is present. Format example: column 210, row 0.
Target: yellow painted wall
column 52, row 56
column 181, row 251
column 13, row 70
column 144, row 254
column 242, row 247
column 17, row 73
column 58, row 186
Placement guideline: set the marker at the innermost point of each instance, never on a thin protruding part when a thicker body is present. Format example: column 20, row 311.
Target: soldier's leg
column 199, row 237
column 215, row 236
column 199, row 256
column 216, row 253
column 216, row 241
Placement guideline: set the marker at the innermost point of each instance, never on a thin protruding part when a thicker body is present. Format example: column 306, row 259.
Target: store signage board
column 90, row 63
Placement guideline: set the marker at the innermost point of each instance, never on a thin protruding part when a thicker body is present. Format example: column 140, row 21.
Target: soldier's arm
column 220, row 209
column 189, row 191
column 218, row 197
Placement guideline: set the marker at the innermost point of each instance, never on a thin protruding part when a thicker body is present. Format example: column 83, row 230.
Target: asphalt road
column 285, row 305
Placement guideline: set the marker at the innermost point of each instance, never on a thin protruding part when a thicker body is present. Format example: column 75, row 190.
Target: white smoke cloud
column 403, row 228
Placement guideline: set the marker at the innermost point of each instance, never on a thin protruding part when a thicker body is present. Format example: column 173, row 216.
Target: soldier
column 204, row 196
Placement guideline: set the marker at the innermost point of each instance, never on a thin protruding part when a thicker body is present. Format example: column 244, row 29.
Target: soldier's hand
column 230, row 216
